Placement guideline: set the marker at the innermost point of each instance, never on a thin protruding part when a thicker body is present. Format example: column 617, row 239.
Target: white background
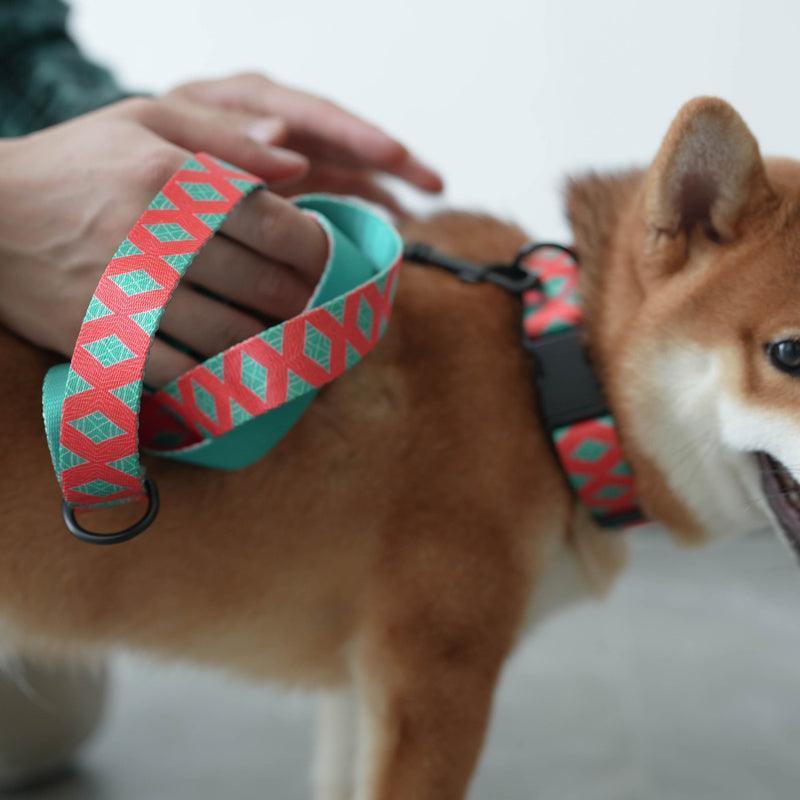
column 505, row 96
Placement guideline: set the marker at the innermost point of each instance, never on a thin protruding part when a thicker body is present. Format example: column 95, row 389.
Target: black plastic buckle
column 567, row 386
column 79, row 532
column 512, row 277
column 568, row 392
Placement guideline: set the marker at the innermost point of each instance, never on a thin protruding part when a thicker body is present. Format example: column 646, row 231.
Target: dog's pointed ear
column 707, row 175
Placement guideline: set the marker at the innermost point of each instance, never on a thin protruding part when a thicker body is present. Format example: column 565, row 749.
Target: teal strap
column 362, row 250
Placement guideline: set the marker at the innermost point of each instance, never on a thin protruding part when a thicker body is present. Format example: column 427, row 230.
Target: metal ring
column 79, row 532
column 528, row 249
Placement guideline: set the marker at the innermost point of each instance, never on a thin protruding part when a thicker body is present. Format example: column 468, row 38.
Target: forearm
column 44, row 77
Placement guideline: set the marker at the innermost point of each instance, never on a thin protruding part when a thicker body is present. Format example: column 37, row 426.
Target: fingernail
column 428, row 178
column 288, row 158
column 266, row 131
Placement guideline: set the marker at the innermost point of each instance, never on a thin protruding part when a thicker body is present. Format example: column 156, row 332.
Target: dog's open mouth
column 783, row 495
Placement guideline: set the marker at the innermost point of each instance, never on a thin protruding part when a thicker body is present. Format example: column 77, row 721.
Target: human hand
column 70, row 193
column 347, row 155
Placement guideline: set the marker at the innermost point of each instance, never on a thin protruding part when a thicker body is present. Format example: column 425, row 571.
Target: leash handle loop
column 97, row 454
column 230, row 410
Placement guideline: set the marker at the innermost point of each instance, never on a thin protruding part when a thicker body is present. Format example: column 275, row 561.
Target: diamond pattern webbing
column 98, row 456
column 590, row 454
column 105, row 415
column 271, row 368
column 589, row 450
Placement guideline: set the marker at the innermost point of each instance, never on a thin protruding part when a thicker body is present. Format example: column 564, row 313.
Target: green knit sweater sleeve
column 44, row 77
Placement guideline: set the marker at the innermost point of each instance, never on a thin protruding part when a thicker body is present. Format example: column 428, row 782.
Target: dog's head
column 692, row 272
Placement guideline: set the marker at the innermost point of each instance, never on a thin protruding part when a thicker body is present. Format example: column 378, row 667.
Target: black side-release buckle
column 568, row 392
column 567, row 385
column 513, row 278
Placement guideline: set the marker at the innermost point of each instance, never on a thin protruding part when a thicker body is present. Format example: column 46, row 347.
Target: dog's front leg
column 335, row 746
column 423, row 728
column 426, row 666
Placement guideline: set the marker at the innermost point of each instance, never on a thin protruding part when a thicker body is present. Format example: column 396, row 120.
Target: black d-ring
column 142, row 525
column 531, row 248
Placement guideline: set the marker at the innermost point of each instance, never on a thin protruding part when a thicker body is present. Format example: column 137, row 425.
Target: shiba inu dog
column 397, row 543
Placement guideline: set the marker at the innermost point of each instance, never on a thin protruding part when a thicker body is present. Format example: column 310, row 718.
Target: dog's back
column 414, row 476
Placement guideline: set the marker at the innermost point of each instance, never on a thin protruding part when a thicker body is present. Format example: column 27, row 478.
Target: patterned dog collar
column 571, row 402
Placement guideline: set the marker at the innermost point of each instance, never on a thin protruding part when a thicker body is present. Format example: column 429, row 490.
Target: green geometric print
column 109, row 350
column 97, row 427
column 136, row 282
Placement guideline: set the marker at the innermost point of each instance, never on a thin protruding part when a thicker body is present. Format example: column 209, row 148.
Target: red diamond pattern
column 556, row 306
column 143, row 254
column 589, row 450
column 603, row 482
column 179, row 400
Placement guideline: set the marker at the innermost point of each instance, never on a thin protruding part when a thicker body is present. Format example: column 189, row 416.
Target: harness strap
column 571, row 401
column 230, row 410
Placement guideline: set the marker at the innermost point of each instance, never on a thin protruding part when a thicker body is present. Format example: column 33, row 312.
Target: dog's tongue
column 783, row 495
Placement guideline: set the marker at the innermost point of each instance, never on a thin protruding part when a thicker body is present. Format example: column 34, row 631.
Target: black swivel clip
column 512, row 277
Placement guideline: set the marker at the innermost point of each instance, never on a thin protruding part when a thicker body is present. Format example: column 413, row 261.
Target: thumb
column 242, row 139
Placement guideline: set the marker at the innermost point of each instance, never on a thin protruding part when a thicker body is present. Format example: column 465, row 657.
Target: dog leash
column 571, row 403
column 229, row 411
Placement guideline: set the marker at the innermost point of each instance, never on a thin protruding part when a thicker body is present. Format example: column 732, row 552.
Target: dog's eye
column 785, row 355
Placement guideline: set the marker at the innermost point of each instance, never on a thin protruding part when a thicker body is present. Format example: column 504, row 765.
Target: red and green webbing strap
column 589, row 449
column 230, row 410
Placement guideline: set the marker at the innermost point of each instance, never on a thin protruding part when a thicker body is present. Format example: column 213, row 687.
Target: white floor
column 685, row 685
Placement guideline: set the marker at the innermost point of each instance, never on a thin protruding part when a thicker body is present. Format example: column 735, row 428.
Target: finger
column 322, row 126
column 327, row 177
column 398, row 162
column 248, row 279
column 226, row 134
column 206, row 326
column 415, row 172
column 279, row 231
column 318, row 120
column 165, row 363
column 271, row 131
